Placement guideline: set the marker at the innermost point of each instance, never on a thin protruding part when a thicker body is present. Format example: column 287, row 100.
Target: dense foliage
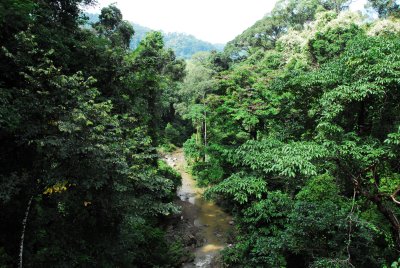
column 186, row 45
column 80, row 117
column 296, row 131
column 298, row 136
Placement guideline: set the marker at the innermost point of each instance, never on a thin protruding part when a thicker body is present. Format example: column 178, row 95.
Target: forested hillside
column 184, row 45
column 293, row 129
column 80, row 116
column 297, row 133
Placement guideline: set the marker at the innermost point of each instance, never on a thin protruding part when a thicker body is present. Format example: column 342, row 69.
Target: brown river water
column 212, row 221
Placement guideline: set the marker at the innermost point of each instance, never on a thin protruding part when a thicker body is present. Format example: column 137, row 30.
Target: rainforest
column 281, row 150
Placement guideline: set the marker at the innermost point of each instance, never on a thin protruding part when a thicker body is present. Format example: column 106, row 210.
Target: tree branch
column 24, row 221
column 393, row 195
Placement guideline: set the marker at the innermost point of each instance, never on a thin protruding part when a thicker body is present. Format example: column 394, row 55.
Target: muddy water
column 214, row 223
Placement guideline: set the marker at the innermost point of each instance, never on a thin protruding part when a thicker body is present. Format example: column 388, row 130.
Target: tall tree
column 385, row 8
column 78, row 188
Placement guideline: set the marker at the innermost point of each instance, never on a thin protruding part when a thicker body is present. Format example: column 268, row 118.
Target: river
column 213, row 222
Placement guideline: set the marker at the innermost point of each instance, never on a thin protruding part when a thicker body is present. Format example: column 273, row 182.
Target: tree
column 305, row 134
column 112, row 26
column 385, row 8
column 160, row 69
column 80, row 180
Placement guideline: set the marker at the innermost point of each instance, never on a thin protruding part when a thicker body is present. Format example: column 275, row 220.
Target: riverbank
column 203, row 226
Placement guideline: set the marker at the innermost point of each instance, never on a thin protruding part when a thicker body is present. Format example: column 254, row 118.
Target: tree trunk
column 24, row 221
column 205, row 135
column 361, row 119
column 205, row 127
column 391, row 217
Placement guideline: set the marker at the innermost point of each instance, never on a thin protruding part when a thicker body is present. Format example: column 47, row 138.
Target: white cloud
column 357, row 5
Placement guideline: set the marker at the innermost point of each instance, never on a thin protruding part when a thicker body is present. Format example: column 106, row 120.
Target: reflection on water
column 210, row 248
column 213, row 221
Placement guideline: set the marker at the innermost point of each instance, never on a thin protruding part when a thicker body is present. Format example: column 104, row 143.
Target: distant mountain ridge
column 184, row 45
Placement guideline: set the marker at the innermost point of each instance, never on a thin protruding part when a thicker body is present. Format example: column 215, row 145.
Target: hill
column 184, row 45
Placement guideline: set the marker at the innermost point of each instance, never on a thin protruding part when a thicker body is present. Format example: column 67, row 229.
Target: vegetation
column 80, row 118
column 294, row 128
column 184, row 45
column 298, row 133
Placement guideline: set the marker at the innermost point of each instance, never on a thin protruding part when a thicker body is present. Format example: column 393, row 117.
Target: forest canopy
column 294, row 129
column 80, row 118
column 298, row 133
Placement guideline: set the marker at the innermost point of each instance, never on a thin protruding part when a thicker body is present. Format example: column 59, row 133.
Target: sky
column 215, row 21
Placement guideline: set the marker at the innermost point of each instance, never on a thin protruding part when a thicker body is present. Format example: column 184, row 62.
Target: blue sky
column 216, row 21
